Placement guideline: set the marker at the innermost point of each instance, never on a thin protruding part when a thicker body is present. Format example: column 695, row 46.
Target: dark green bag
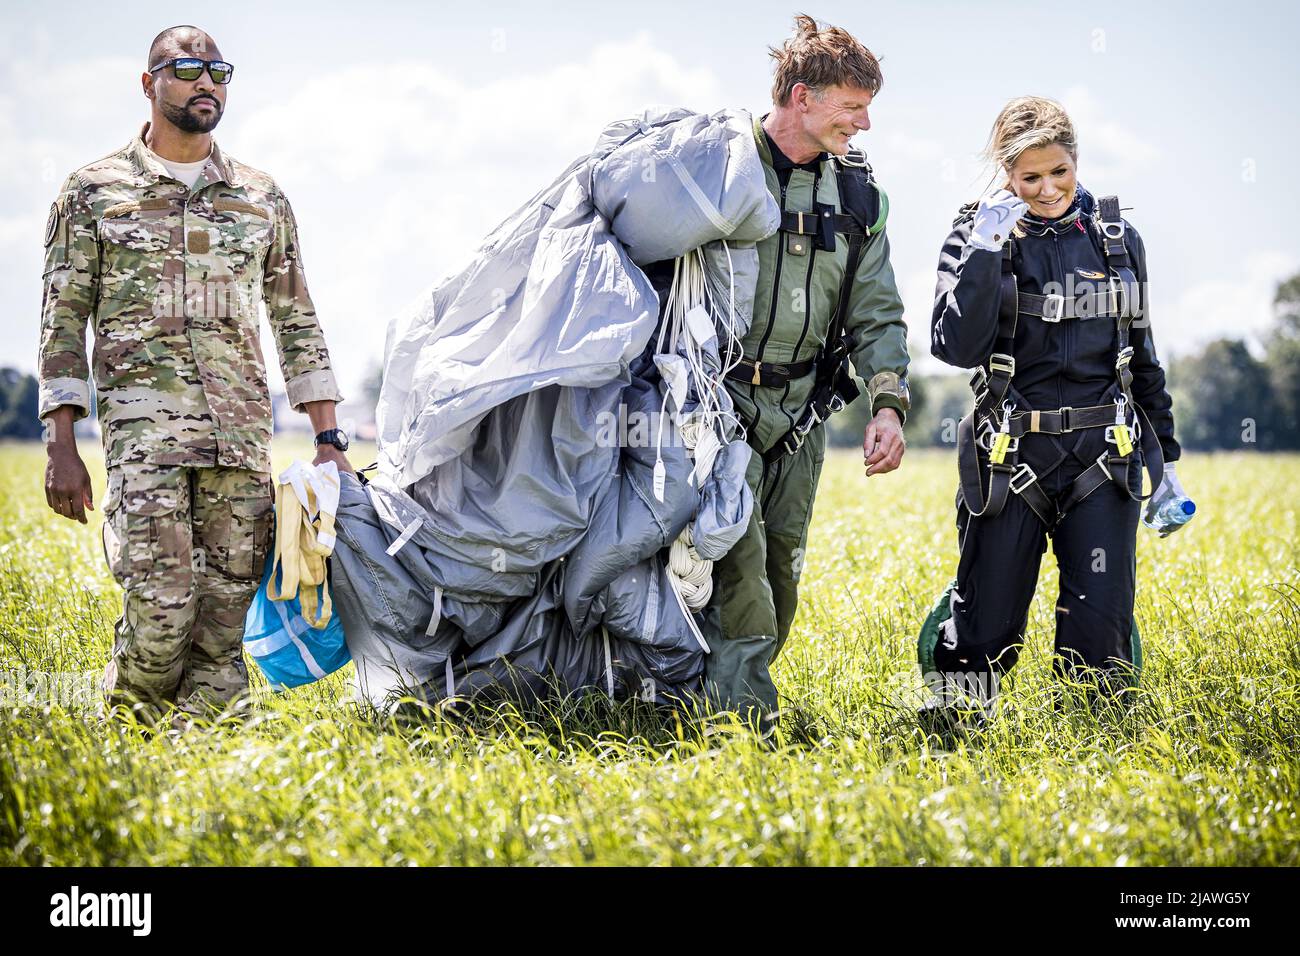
column 928, row 639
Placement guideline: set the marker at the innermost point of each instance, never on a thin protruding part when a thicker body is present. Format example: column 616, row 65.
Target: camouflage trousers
column 188, row 546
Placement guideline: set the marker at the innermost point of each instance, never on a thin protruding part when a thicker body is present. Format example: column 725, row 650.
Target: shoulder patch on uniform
column 52, row 224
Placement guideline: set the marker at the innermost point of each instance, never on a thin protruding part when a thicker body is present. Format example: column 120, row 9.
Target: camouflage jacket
column 170, row 279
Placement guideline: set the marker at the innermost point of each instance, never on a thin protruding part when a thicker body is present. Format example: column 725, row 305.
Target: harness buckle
column 1066, row 427
column 979, row 383
column 988, row 438
column 1001, row 362
column 1112, row 230
column 1119, row 295
column 1103, row 462
column 1022, row 478
column 1003, row 445
column 1053, row 307
column 1118, row 435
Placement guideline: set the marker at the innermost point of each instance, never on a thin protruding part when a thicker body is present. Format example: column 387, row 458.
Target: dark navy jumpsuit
column 1066, row 363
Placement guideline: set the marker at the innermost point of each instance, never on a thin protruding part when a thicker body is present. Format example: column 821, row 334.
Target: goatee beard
column 187, row 122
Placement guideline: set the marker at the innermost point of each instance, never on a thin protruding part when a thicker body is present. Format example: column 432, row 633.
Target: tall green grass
column 1203, row 770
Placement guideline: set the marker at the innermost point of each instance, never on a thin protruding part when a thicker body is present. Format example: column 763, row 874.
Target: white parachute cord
column 673, row 316
column 694, row 575
column 732, row 337
column 735, row 352
column 675, row 587
column 710, row 386
column 668, row 309
column 689, row 575
column 660, row 473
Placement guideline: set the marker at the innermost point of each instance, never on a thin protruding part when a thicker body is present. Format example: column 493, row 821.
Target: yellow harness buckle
column 1122, row 439
column 1001, row 442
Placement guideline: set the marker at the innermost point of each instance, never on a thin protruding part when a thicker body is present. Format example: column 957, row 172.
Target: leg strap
column 981, row 501
column 1025, row 483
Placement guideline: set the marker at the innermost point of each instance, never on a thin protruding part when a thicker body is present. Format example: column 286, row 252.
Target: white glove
column 1170, row 487
column 994, row 219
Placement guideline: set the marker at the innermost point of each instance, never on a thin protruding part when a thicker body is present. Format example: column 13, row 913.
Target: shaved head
column 183, row 40
column 191, row 106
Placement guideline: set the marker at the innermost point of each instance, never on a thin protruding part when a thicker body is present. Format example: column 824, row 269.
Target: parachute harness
column 988, row 438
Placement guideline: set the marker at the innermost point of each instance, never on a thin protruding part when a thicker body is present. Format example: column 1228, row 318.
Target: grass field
column 1205, row 771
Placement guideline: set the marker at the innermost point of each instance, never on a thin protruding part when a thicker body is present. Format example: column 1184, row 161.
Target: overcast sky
column 403, row 132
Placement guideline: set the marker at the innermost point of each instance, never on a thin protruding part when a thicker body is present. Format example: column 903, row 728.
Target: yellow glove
column 302, row 543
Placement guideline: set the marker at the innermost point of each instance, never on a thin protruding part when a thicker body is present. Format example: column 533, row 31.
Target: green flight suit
column 756, row 584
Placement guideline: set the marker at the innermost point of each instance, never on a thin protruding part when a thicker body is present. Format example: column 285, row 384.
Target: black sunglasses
column 191, row 68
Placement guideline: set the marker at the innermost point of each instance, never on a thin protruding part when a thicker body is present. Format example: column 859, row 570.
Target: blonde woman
column 1041, row 290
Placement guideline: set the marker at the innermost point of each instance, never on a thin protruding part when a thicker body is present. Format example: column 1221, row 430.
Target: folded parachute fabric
column 552, row 420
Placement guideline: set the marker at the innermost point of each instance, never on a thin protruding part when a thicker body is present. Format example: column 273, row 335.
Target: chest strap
column 814, row 223
column 1101, row 304
column 1062, row 421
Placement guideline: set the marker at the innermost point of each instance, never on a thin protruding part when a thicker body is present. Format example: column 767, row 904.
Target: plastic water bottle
column 1178, row 510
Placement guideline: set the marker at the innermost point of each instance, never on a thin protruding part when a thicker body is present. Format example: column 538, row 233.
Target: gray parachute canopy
column 515, row 538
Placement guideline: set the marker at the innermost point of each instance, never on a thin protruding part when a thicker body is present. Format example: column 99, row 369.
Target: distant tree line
column 18, row 403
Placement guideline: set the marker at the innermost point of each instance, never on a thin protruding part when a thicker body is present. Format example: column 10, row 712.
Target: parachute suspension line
column 734, row 351
column 691, row 575
column 681, row 600
column 692, row 316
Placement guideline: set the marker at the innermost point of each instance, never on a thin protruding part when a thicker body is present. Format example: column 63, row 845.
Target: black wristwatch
column 333, row 436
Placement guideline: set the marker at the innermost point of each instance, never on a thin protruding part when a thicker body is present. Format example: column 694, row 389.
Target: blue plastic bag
column 285, row 646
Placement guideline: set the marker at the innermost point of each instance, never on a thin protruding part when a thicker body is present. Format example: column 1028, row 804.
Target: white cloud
column 917, row 291
column 396, row 171
column 1111, row 151
column 902, row 146
column 408, row 168
column 1235, row 302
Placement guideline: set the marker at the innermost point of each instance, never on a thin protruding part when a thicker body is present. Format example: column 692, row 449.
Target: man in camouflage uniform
column 165, row 248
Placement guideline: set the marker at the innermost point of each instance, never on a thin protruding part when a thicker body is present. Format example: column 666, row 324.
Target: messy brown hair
column 819, row 58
